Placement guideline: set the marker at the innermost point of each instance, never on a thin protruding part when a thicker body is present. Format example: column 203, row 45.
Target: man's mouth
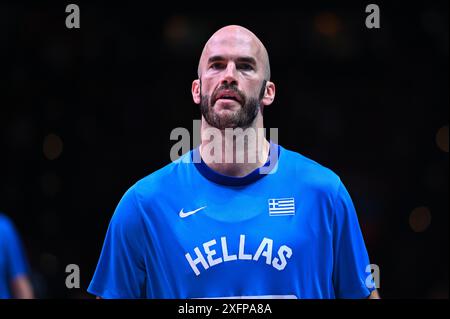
column 228, row 98
column 228, row 95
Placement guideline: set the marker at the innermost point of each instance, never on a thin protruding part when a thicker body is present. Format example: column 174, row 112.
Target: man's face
column 232, row 82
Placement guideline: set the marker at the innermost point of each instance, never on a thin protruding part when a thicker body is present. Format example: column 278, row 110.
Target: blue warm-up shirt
column 186, row 231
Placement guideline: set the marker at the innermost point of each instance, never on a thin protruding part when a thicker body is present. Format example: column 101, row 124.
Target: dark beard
column 243, row 118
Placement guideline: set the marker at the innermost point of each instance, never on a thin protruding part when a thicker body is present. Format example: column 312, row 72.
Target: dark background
column 85, row 113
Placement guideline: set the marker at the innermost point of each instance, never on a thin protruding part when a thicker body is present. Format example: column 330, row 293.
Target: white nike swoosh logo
column 183, row 214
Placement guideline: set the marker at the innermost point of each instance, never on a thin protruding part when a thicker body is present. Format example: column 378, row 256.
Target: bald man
column 239, row 216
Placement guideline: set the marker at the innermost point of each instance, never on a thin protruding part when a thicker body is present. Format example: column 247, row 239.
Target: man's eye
column 216, row 66
column 246, row 67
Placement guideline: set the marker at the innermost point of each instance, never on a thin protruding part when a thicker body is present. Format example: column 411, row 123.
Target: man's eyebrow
column 215, row 58
column 245, row 59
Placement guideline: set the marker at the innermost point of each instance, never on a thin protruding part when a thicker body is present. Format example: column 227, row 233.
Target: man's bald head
column 237, row 37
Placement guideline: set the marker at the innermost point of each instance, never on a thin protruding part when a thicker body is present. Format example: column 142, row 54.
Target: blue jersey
column 12, row 257
column 186, row 231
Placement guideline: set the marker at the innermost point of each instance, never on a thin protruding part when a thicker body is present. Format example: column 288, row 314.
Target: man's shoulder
column 308, row 170
column 5, row 222
column 6, row 226
column 165, row 179
column 146, row 192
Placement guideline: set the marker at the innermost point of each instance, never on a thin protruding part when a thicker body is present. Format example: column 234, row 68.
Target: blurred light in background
column 333, row 36
column 176, row 31
column 185, row 36
column 420, row 219
column 52, row 146
column 442, row 138
column 327, row 24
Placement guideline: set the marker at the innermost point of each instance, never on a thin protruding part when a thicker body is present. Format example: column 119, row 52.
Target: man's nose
column 229, row 76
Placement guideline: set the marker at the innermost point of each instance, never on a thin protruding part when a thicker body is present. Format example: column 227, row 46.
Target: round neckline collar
column 219, row 178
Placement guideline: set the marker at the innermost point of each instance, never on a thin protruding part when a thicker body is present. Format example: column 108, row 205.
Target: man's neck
column 234, row 152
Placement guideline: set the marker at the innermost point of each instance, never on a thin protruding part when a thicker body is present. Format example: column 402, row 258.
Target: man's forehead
column 234, row 36
column 235, row 42
column 232, row 44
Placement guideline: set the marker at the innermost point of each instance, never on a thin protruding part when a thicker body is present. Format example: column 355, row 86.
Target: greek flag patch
column 281, row 206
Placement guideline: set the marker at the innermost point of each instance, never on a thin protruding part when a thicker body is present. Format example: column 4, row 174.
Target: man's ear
column 196, row 94
column 269, row 94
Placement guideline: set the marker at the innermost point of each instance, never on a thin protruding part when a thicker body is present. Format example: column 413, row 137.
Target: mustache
column 227, row 87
